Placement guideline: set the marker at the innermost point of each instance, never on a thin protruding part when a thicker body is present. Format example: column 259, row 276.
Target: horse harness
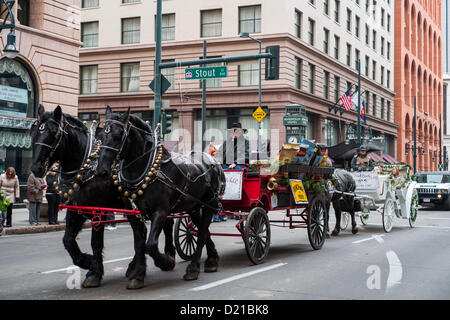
column 152, row 171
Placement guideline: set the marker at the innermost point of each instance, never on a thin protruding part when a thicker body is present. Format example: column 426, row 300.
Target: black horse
column 343, row 202
column 61, row 137
column 160, row 183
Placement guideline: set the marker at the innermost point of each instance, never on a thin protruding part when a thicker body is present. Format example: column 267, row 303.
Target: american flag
column 347, row 100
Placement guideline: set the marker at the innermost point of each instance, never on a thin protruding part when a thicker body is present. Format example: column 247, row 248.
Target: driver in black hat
column 362, row 161
column 236, row 150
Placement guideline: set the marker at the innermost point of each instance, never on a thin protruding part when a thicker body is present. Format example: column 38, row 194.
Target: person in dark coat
column 235, row 151
column 35, row 193
column 362, row 161
column 52, row 196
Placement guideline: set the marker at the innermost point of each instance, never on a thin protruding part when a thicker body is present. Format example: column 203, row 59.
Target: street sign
column 205, row 73
column 259, row 114
column 294, row 121
column 441, row 166
column 165, row 84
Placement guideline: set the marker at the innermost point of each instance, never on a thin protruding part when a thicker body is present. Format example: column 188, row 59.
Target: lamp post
column 10, row 49
column 247, row 35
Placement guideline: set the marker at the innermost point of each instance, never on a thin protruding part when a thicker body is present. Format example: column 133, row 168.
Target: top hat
column 238, row 125
column 363, row 147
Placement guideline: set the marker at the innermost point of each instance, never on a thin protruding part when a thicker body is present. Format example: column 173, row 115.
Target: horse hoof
column 211, row 265
column 335, row 232
column 168, row 264
column 129, row 272
column 191, row 275
column 135, row 284
column 355, row 230
column 92, row 282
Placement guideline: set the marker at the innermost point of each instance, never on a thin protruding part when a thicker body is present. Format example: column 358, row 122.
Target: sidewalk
column 21, row 225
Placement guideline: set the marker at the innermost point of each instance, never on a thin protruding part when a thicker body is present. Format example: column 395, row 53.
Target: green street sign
column 205, row 73
column 295, row 121
column 440, row 166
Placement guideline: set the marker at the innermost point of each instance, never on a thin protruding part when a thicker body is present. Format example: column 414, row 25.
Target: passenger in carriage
column 235, row 151
column 362, row 161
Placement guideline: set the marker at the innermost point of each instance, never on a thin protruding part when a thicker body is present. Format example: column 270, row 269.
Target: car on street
column 434, row 188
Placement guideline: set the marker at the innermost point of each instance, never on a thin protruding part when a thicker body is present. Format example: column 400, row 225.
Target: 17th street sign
column 205, row 73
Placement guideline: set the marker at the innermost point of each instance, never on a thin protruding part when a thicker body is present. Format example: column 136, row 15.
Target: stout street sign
column 205, row 73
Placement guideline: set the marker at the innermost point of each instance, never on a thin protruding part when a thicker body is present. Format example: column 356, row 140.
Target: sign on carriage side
column 233, row 186
column 205, row 73
column 298, row 191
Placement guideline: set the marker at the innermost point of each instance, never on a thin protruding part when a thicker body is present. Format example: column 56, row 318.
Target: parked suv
column 434, row 188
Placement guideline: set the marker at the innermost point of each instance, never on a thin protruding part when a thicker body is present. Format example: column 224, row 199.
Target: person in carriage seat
column 235, row 151
column 362, row 161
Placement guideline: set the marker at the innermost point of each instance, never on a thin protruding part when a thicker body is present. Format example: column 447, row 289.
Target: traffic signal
column 166, row 123
column 273, row 64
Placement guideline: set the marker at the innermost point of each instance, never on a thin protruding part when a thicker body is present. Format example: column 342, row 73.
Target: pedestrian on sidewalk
column 35, row 188
column 51, row 180
column 9, row 183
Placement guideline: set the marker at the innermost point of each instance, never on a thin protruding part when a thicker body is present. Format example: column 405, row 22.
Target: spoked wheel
column 316, row 223
column 414, row 208
column 345, row 219
column 364, row 216
column 388, row 214
column 185, row 238
column 257, row 235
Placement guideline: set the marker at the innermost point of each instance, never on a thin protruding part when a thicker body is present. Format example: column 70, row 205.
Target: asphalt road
column 404, row 264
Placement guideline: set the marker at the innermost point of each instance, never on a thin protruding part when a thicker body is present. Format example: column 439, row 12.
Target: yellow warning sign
column 259, row 114
column 298, row 191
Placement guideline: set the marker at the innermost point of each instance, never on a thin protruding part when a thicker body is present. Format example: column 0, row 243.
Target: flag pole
column 358, row 132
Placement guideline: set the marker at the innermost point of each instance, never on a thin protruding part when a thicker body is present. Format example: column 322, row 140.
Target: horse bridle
column 61, row 130
column 126, row 131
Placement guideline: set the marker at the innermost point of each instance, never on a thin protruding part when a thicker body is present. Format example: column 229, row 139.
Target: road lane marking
column 433, row 227
column 70, row 268
column 377, row 237
column 395, row 270
column 240, row 276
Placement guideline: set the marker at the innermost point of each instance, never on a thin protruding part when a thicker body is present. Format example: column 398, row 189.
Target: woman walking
column 35, row 187
column 9, row 183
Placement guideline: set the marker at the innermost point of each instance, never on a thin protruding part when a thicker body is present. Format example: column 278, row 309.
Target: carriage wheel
column 185, row 238
column 316, row 223
column 345, row 219
column 364, row 216
column 413, row 209
column 257, row 235
column 388, row 214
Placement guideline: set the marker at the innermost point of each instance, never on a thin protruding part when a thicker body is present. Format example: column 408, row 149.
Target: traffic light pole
column 358, row 131
column 158, row 101
column 204, row 102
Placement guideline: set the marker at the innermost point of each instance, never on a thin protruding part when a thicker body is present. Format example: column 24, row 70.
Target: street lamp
column 10, row 50
column 247, row 35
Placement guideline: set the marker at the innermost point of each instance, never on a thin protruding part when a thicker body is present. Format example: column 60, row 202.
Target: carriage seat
column 253, row 174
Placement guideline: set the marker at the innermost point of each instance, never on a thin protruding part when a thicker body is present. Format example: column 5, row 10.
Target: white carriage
column 380, row 191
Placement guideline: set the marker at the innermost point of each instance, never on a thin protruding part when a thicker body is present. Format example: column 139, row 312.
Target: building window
column 89, row 3
column 250, row 19
column 211, row 23
column 326, row 40
column 367, row 66
column 349, row 54
column 382, row 46
column 382, row 17
column 23, row 12
column 312, row 71
column 388, row 111
column 89, row 34
column 388, row 51
column 374, row 70
column 337, row 5
column 382, row 109
column 367, row 102
column 326, row 7
column 129, row 77
column 388, row 79
column 336, row 88
column 326, row 85
column 88, row 79
column 248, row 74
column 168, row 27
column 298, row 73
column 336, row 47
column 298, row 24
column 374, row 104
column 357, row 22
column 131, row 30
column 349, row 20
column 311, row 32
column 367, row 34
column 169, row 74
column 382, row 75
column 374, row 40
column 388, row 23
column 331, row 132
column 130, row 1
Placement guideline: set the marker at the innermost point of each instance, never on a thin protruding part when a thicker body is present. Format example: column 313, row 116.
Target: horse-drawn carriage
column 390, row 191
column 251, row 195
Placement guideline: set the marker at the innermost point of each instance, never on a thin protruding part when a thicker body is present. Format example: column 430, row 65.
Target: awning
column 389, row 159
column 375, row 157
column 383, row 158
column 20, row 140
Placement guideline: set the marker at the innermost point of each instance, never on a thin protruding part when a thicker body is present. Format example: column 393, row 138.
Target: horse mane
column 141, row 124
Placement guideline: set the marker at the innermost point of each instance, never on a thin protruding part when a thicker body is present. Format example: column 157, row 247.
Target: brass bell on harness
column 149, row 173
column 116, row 183
column 120, row 189
column 66, row 195
column 144, row 186
column 54, row 183
column 70, row 191
column 114, row 177
column 140, row 193
column 147, row 179
column 79, row 176
column 126, row 193
column 134, row 196
column 75, row 185
column 60, row 193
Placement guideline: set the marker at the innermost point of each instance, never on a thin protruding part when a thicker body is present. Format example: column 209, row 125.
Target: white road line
column 426, row 218
column 374, row 237
column 395, row 270
column 433, row 227
column 240, row 276
column 70, row 268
